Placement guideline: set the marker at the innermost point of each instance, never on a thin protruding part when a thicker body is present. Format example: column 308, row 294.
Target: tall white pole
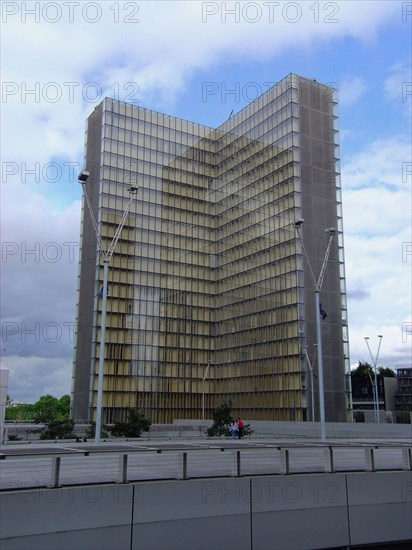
column 318, row 286
column 320, row 368
column 377, row 396
column 102, row 354
column 83, row 177
column 374, row 362
column 203, row 391
column 376, row 378
column 312, row 388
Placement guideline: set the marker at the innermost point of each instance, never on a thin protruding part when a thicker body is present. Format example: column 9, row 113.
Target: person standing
column 234, row 429
column 240, row 428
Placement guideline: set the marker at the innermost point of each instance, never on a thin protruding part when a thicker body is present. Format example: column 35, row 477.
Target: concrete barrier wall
column 312, row 429
column 195, row 428
column 267, row 512
column 334, row 430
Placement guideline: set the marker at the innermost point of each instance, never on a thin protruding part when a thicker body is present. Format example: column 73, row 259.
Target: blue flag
column 100, row 295
column 323, row 313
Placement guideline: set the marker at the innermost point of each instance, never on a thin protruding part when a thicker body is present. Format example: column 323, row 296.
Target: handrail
column 285, row 455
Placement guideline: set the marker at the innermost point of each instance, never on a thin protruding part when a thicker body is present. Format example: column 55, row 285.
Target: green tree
column 58, row 429
column 19, row 412
column 222, row 418
column 135, row 424
column 386, row 372
column 364, row 369
column 46, row 409
column 49, row 408
column 63, row 406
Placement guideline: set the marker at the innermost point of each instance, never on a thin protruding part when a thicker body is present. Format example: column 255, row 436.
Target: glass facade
column 208, row 295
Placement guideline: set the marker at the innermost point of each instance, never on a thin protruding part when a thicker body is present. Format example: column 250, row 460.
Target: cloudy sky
column 198, row 61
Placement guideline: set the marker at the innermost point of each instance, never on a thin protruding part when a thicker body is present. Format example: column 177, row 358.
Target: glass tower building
column 210, row 298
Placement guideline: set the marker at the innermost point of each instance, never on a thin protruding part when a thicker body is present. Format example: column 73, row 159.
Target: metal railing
column 284, row 457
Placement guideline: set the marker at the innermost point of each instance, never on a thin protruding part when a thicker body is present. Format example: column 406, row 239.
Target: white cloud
column 377, row 221
column 39, row 262
column 159, row 53
column 351, row 89
column 381, row 163
column 30, row 377
column 376, row 211
column 398, row 85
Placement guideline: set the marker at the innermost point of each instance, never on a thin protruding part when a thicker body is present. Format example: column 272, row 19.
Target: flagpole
column 203, row 391
column 318, row 286
column 375, row 361
column 320, row 368
column 331, row 232
column 98, row 430
column 83, row 177
column 312, row 388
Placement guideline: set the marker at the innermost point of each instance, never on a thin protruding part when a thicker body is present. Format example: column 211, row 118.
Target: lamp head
column 330, row 231
column 133, row 190
column 299, row 222
column 83, row 176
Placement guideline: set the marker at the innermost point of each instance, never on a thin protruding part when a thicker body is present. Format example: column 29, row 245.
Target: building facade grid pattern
column 208, row 275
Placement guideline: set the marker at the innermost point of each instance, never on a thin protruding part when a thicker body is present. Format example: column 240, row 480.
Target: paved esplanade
column 77, row 463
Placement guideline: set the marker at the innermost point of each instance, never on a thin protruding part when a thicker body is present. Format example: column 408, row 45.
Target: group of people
column 237, row 429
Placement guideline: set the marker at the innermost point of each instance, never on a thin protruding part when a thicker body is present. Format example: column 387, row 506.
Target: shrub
column 133, row 427
column 14, row 437
column 359, row 416
column 58, row 429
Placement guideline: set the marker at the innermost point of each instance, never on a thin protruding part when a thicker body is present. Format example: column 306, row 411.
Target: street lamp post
column 318, row 286
column 203, row 391
column 375, row 361
column 107, row 255
column 312, row 387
